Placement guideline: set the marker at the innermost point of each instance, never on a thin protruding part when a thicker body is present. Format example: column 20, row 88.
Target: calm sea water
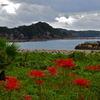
column 54, row 44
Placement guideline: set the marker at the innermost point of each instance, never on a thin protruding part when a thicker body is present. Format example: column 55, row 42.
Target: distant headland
column 43, row 31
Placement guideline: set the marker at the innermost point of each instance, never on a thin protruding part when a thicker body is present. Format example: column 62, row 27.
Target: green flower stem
column 80, row 93
column 39, row 89
column 49, row 84
column 66, row 75
column 9, row 98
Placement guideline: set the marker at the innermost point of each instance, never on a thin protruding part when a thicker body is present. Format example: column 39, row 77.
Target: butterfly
column 2, row 76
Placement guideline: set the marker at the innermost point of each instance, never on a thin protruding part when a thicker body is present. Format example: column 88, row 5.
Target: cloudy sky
column 67, row 14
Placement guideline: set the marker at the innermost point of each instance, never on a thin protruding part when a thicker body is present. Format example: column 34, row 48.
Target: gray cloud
column 26, row 14
column 67, row 5
column 86, row 20
column 4, row 5
column 68, row 14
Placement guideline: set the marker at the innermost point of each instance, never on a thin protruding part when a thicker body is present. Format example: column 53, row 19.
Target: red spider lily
column 92, row 68
column 11, row 83
column 8, row 77
column 27, row 97
column 81, row 82
column 57, row 87
column 98, row 66
column 39, row 82
column 65, row 63
column 59, row 61
column 37, row 74
column 52, row 71
column 73, row 74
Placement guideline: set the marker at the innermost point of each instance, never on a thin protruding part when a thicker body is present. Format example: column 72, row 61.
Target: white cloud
column 68, row 14
column 63, row 19
column 9, row 6
column 78, row 21
column 26, row 14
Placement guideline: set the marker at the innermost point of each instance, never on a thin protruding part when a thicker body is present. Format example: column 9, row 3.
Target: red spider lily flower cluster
column 37, row 74
column 27, row 97
column 52, row 71
column 11, row 83
column 92, row 68
column 98, row 66
column 57, row 87
column 73, row 74
column 69, row 63
column 81, row 82
column 39, row 82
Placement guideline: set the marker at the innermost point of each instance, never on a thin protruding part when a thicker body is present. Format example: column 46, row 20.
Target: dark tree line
column 40, row 30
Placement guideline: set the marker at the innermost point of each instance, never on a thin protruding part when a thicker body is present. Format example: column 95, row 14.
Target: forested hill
column 38, row 31
column 43, row 31
column 88, row 33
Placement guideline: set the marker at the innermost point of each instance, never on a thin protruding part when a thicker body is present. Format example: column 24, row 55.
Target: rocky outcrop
column 89, row 46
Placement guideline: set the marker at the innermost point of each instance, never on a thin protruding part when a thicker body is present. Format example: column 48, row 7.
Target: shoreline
column 33, row 40
column 55, row 51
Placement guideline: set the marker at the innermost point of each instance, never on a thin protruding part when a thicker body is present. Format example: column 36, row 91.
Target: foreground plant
column 92, row 68
column 53, row 77
column 10, row 84
column 27, row 97
column 37, row 75
column 8, row 52
column 52, row 71
column 81, row 83
column 67, row 65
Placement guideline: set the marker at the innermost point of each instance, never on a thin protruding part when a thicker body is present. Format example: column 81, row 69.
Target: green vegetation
column 8, row 52
column 40, row 30
column 88, row 33
column 55, row 87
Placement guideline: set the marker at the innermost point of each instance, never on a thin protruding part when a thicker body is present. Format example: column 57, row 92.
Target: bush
column 8, row 52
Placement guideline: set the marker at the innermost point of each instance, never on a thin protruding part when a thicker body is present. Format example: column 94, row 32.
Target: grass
column 25, row 62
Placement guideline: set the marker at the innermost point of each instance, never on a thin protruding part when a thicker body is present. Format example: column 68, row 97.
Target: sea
column 61, row 44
